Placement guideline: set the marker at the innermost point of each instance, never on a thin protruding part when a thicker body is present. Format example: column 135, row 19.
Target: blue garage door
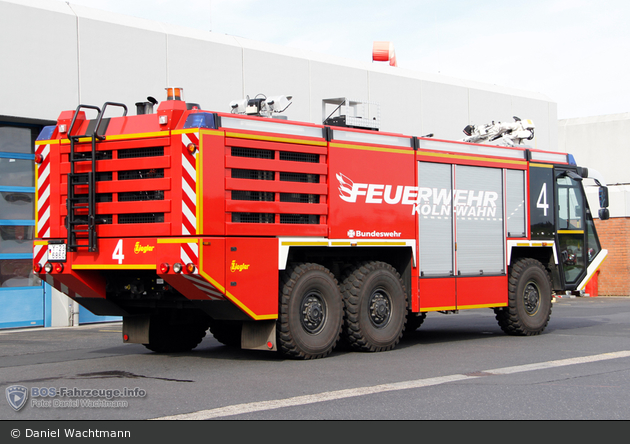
column 22, row 295
column 21, row 292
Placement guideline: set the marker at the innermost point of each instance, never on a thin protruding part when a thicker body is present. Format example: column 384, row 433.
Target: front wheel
column 414, row 321
column 529, row 299
column 310, row 313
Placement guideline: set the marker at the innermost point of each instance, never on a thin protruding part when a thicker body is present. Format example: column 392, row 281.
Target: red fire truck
column 287, row 236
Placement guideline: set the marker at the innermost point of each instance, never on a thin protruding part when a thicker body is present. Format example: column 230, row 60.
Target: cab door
column 571, row 230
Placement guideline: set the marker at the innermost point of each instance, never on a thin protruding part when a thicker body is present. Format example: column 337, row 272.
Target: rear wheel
column 168, row 337
column 310, row 313
column 227, row 332
column 375, row 307
column 529, row 299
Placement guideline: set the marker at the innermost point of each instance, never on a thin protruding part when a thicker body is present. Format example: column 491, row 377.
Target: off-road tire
column 375, row 307
column 310, row 314
column 227, row 332
column 529, row 299
column 414, row 321
column 165, row 337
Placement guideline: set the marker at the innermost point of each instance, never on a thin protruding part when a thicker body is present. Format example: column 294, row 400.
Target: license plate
column 56, row 252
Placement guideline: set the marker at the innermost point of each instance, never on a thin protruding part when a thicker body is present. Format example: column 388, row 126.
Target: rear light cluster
column 177, row 268
column 57, row 267
column 49, row 267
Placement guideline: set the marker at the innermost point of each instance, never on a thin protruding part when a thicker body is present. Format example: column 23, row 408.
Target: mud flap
column 259, row 335
column 136, row 329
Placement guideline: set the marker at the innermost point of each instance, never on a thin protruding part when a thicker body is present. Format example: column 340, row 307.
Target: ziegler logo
column 236, row 267
column 425, row 201
column 142, row 248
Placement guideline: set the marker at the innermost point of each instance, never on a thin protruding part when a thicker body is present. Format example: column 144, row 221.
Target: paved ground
column 455, row 367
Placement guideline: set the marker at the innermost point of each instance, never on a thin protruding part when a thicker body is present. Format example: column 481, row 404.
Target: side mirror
column 604, row 214
column 603, row 197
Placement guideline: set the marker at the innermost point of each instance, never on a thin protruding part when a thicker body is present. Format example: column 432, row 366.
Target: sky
column 575, row 52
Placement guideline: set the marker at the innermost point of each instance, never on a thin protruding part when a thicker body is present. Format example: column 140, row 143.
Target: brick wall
column 614, row 277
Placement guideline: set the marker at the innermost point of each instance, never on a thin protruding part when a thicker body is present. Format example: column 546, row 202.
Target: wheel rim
column 531, row 298
column 313, row 312
column 380, row 308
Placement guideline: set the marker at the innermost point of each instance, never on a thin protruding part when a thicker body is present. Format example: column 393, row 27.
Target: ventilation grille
column 134, row 153
column 252, row 153
column 259, row 196
column 140, row 196
column 299, row 157
column 253, row 174
column 299, row 218
column 126, row 203
column 299, row 177
column 143, row 218
column 152, row 173
column 296, row 175
column 299, row 198
column 253, row 218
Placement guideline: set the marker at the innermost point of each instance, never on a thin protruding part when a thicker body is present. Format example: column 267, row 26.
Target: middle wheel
column 375, row 306
column 310, row 313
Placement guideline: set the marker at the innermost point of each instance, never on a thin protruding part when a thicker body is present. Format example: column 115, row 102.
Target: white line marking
column 251, row 407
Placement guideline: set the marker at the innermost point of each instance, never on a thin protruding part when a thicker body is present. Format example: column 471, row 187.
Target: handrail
column 100, row 117
column 74, row 118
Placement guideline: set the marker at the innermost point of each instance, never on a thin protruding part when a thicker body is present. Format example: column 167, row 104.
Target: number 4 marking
column 542, row 199
column 118, row 251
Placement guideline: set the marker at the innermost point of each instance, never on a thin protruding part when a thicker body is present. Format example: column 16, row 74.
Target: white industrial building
column 56, row 55
column 600, row 142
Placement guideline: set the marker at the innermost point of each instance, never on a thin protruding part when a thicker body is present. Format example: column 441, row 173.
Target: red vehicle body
column 283, row 235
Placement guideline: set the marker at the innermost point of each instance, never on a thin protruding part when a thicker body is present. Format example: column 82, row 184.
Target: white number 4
column 542, row 199
column 118, row 251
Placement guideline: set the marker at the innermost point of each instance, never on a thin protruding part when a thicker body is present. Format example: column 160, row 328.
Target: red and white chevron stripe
column 40, row 254
column 190, row 254
column 206, row 287
column 189, row 185
column 43, row 192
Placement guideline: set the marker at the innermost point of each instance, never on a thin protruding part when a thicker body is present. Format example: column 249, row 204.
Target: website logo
column 17, row 395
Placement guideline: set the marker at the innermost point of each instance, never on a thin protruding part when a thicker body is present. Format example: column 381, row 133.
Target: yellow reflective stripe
column 121, row 137
column 380, row 243
column 136, row 136
column 446, row 308
column 570, row 231
column 232, row 298
column 466, row 307
column 177, row 241
column 229, row 295
column 540, row 165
